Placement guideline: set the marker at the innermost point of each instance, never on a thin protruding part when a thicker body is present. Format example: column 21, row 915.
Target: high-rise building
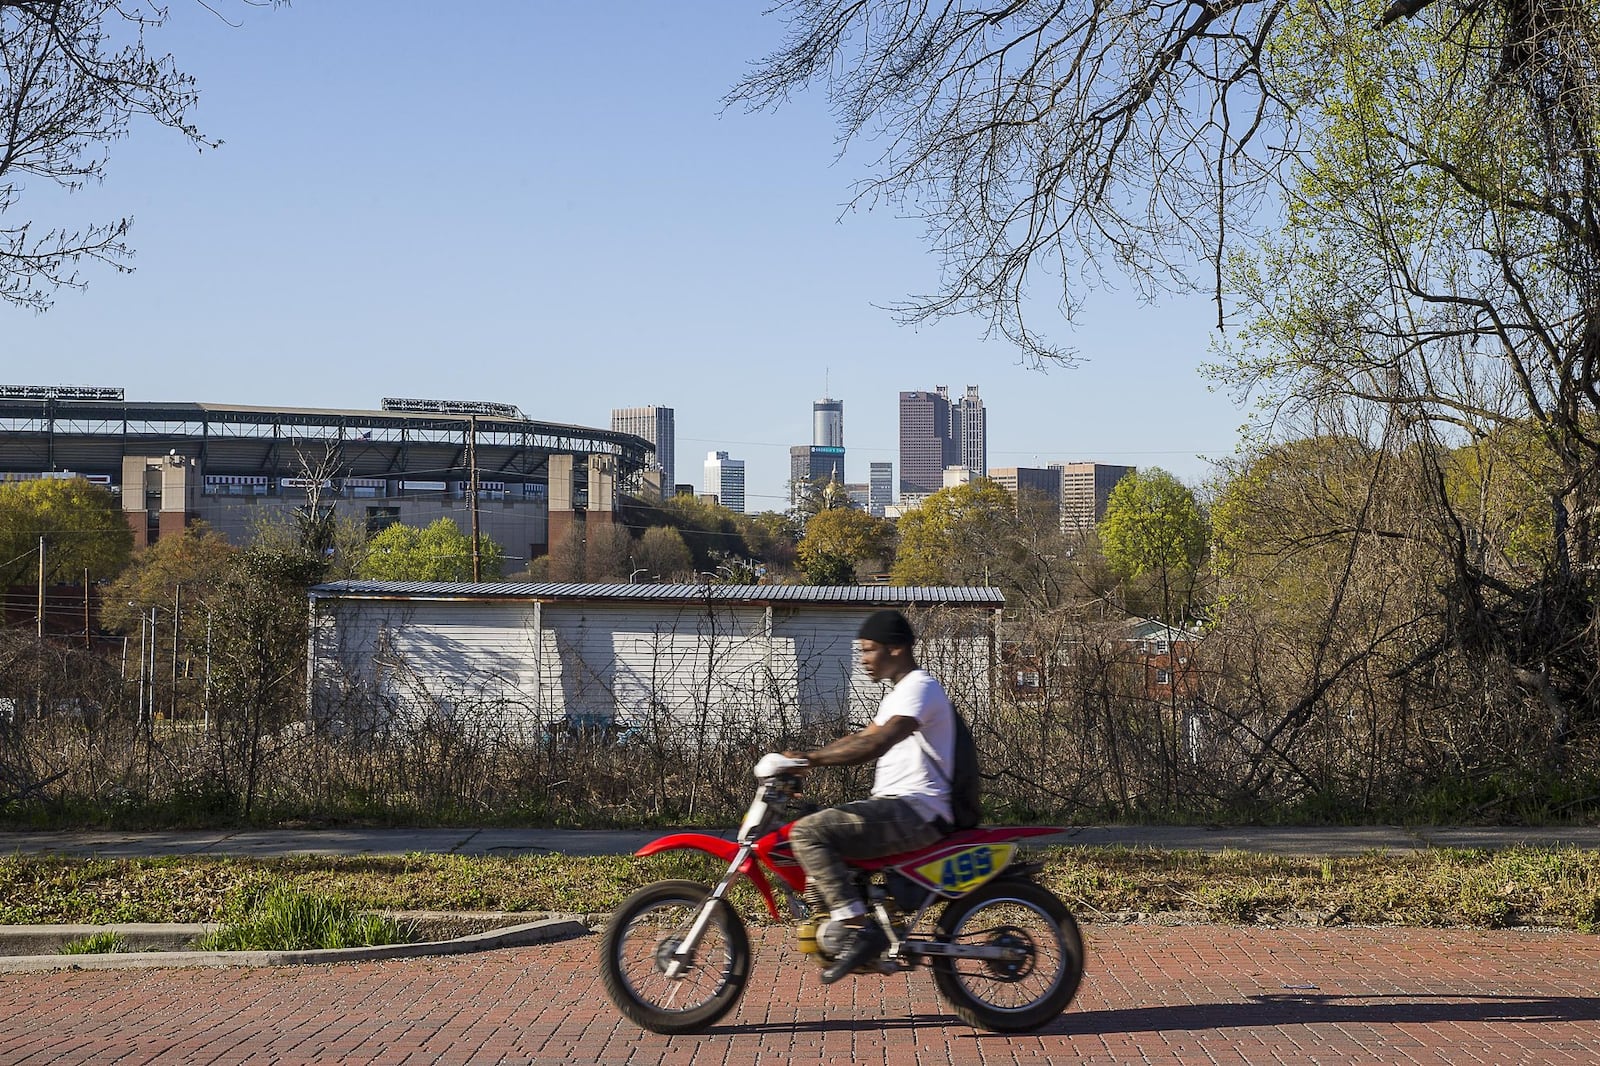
column 1085, row 488
column 1078, row 491
column 812, row 466
column 654, row 424
column 969, row 430
column 1030, row 485
column 880, row 488
column 724, row 479
column 827, row 423
column 927, row 445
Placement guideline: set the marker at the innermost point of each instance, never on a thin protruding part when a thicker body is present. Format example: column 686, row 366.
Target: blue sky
column 544, row 204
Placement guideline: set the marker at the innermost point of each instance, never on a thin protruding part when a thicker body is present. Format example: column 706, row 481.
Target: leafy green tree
column 825, row 568
column 956, row 537
column 710, row 530
column 257, row 662
column 663, row 555
column 1430, row 287
column 186, row 570
column 440, row 552
column 818, row 496
column 81, row 524
column 771, row 537
column 1154, row 529
column 1501, row 485
column 335, row 539
column 838, row 541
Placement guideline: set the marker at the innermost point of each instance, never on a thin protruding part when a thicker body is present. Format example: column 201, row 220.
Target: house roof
column 1155, row 629
column 837, row 595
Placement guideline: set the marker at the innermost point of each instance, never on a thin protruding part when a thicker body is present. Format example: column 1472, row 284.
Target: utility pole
column 177, row 615
column 40, row 617
column 472, row 491
column 150, row 704
column 142, row 625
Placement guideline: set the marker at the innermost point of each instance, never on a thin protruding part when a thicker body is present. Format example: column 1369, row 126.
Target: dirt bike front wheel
column 636, row 955
column 1040, row 976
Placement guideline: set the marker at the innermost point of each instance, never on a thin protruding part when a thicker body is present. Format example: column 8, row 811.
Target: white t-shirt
column 905, row 770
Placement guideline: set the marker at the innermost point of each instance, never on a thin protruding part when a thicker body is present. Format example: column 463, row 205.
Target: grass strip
column 1541, row 887
column 266, row 913
column 99, row 943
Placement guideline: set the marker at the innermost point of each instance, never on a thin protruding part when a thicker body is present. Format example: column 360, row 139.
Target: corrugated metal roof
column 843, row 595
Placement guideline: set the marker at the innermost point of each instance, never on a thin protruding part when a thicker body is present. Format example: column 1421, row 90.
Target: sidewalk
column 1158, row 995
column 1319, row 840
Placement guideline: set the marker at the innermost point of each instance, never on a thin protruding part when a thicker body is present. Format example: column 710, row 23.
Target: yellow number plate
column 959, row 871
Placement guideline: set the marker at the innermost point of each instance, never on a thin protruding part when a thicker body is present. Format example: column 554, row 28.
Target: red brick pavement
column 1152, row 995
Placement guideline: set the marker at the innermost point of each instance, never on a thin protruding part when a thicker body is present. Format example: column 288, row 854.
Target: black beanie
column 887, row 627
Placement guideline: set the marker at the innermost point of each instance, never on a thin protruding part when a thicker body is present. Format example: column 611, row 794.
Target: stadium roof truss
column 90, row 436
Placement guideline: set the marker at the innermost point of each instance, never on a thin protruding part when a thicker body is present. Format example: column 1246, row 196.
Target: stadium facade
column 410, row 461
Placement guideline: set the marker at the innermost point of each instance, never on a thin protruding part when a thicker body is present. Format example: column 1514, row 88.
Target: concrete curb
column 540, row 932
column 144, row 936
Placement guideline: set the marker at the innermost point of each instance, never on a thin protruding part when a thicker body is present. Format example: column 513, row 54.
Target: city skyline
column 330, row 264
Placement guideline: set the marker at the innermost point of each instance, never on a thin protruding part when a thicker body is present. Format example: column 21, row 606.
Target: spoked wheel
column 637, row 949
column 1042, row 966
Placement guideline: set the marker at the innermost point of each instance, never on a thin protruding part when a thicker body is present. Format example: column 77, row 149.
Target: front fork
column 683, row 955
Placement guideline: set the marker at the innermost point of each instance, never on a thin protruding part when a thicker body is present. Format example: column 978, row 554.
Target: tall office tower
column 968, row 428
column 654, row 424
column 1030, row 485
column 812, row 466
column 926, row 443
column 827, row 423
column 725, row 480
column 880, row 488
column 1085, row 488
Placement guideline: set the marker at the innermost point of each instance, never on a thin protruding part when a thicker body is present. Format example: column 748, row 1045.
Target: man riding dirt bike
column 910, row 803
column 1005, row 951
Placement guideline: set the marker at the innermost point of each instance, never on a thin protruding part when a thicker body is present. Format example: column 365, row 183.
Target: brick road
column 1152, row 995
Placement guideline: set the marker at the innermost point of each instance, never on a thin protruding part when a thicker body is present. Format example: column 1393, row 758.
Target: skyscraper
column 812, row 466
column 927, row 445
column 1085, row 489
column 1031, row 486
column 654, row 424
column 970, row 433
column 880, row 488
column 827, row 423
column 724, row 479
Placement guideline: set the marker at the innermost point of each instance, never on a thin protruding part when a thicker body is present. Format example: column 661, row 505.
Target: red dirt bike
column 1005, row 952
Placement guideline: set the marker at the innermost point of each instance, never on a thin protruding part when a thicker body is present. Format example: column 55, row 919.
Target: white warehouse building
column 528, row 658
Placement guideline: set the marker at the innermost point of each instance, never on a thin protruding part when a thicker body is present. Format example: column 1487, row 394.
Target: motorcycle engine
column 905, row 892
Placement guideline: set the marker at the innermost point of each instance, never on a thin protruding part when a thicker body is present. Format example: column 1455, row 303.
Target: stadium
column 521, row 482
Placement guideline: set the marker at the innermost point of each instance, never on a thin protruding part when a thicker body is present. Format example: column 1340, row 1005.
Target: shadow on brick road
column 842, row 1025
column 1279, row 1010
column 1257, row 1012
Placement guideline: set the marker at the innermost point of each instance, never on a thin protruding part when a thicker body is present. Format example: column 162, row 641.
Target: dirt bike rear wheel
column 1014, row 995
column 639, row 940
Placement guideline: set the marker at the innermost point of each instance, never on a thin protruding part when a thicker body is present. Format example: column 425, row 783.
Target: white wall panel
column 521, row 666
